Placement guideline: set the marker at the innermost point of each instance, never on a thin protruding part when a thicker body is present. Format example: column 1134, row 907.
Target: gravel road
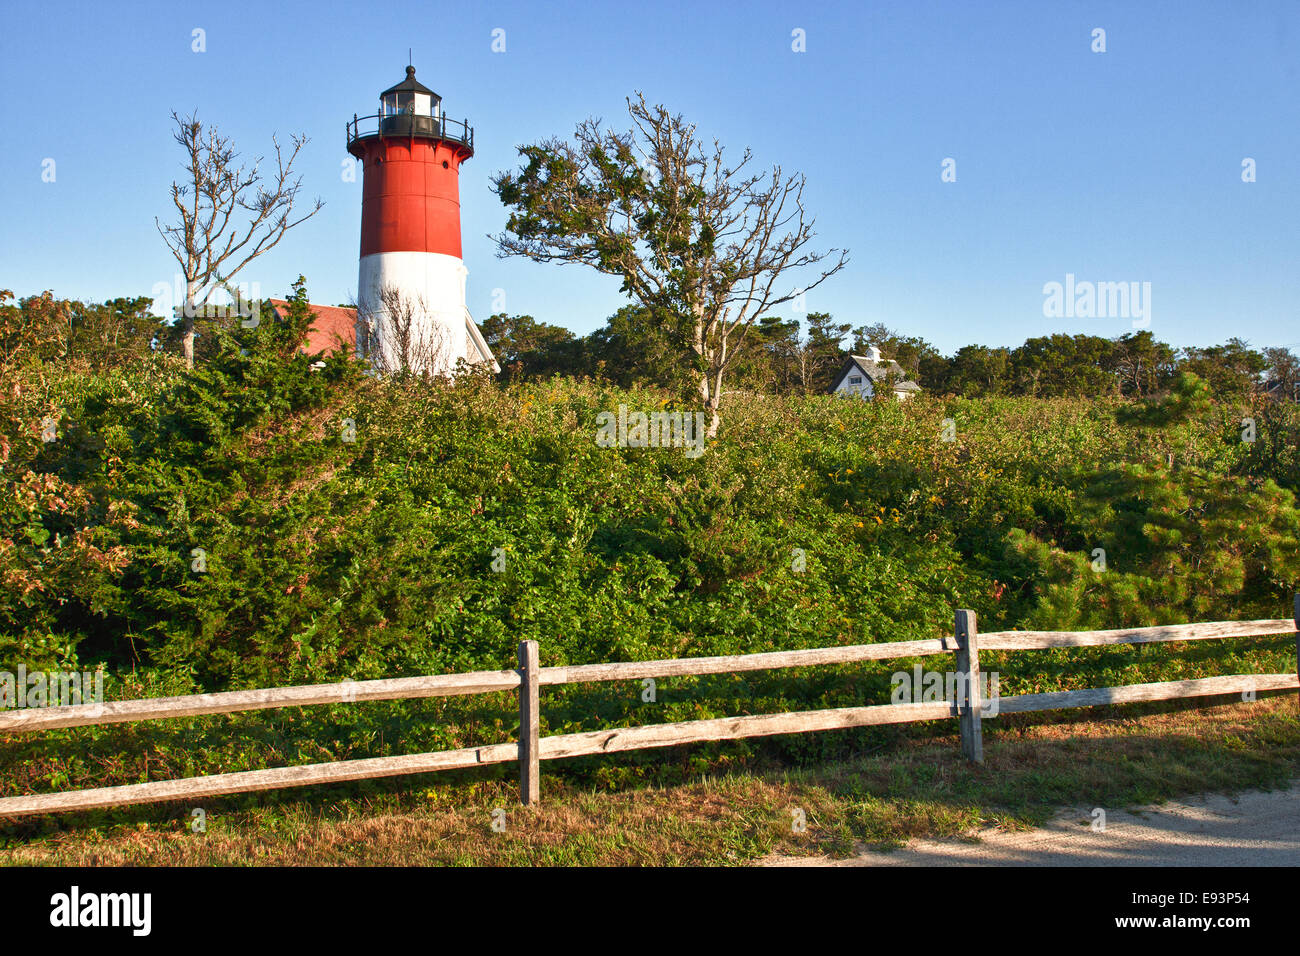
column 1251, row 829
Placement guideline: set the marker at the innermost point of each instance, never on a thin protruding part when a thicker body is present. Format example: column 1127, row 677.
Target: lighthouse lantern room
column 402, row 104
column 411, row 313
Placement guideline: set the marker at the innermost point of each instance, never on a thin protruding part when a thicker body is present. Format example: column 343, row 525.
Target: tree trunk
column 714, row 403
column 187, row 322
column 714, row 419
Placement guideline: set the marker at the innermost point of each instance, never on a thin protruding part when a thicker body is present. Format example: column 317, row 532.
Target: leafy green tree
column 1283, row 373
column 697, row 241
column 119, row 331
column 524, row 346
column 1233, row 369
column 771, row 363
column 1275, row 452
column 978, row 370
column 97, row 335
column 33, row 330
column 1061, row 364
column 636, row 346
column 821, row 353
column 1141, row 364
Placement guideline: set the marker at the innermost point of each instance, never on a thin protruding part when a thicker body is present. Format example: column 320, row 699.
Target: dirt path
column 1252, row 829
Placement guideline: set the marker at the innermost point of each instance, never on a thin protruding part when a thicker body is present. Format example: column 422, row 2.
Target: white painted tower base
column 428, row 331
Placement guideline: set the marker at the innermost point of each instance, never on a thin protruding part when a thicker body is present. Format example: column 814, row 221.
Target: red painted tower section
column 410, row 200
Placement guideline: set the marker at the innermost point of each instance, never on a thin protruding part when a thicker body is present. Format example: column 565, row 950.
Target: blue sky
column 1117, row 166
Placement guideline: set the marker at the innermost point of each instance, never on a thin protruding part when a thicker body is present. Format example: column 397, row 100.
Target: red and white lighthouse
column 411, row 312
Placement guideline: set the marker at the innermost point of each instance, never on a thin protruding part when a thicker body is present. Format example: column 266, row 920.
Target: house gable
column 862, row 375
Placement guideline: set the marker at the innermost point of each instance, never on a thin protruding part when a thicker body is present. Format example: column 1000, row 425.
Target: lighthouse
column 411, row 312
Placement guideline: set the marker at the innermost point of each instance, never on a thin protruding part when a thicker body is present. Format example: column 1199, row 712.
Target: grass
column 737, row 812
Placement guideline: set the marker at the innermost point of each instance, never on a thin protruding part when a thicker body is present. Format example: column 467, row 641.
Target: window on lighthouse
column 408, row 103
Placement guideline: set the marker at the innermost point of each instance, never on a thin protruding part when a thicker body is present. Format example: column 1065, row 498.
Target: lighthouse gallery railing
column 409, row 124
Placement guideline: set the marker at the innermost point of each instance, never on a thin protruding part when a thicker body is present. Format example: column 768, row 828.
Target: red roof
column 332, row 323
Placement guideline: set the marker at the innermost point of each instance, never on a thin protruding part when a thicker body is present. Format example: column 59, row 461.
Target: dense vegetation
column 632, row 347
column 349, row 526
column 264, row 520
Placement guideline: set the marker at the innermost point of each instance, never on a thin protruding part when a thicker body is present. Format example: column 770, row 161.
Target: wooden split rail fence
column 529, row 678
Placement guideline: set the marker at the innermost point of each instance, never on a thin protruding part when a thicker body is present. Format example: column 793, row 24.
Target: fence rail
column 531, row 748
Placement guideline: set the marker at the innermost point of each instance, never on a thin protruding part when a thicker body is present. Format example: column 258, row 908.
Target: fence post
column 969, row 703
column 1297, row 636
column 529, row 719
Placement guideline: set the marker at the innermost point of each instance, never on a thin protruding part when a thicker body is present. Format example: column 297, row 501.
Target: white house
column 862, row 375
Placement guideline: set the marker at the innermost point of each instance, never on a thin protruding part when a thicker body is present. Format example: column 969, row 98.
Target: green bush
column 347, row 526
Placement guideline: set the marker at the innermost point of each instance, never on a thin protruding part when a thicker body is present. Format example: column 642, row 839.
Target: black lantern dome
column 410, row 98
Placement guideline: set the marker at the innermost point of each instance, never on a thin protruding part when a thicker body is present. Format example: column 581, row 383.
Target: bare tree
column 211, row 248
column 692, row 238
column 812, row 363
column 398, row 336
